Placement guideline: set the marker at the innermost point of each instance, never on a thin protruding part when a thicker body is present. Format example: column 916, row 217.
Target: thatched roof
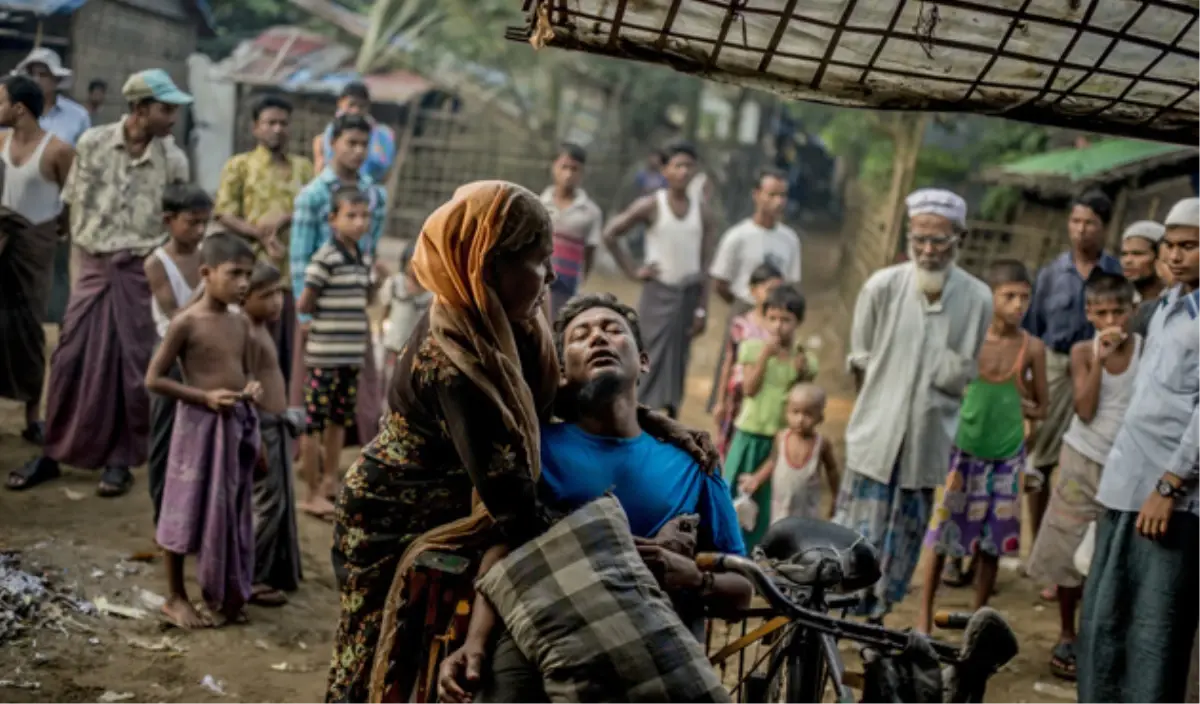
column 1066, row 171
column 1123, row 67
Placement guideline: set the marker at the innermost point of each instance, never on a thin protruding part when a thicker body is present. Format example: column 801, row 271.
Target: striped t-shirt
column 339, row 331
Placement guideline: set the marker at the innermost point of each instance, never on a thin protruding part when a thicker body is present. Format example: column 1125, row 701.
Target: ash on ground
column 32, row 601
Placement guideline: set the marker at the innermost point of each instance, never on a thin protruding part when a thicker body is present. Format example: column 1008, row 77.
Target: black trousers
column 162, row 425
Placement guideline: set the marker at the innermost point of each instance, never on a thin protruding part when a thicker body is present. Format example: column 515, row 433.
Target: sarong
column 747, row 452
column 739, row 307
column 162, row 427
column 985, row 515
column 97, row 406
column 666, row 314
column 894, row 521
column 1072, row 507
column 1139, row 614
column 1047, row 440
column 283, row 332
column 368, row 411
column 207, row 508
column 276, row 539
column 26, row 274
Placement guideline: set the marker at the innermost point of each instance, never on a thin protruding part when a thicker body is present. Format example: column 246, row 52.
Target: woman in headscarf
column 469, row 387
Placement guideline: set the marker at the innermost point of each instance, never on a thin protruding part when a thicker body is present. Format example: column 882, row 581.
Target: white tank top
column 1094, row 440
column 179, row 286
column 673, row 243
column 796, row 491
column 26, row 189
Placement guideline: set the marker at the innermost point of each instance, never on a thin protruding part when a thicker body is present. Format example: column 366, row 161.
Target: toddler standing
column 406, row 303
column 214, row 447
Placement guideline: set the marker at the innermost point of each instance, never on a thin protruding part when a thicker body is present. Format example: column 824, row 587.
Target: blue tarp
column 66, row 7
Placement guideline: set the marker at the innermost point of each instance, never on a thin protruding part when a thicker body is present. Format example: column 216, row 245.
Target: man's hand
column 1155, row 516
column 678, row 535
column 673, row 571
column 275, row 248
column 650, row 272
column 699, row 322
column 1107, row 341
column 459, row 673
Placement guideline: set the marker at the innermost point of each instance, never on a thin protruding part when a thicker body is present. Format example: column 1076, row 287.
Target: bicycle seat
column 821, row 554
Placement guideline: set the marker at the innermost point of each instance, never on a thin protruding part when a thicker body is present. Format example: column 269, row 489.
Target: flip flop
column 1062, row 661
column 32, row 473
column 114, row 482
column 263, row 595
column 953, row 574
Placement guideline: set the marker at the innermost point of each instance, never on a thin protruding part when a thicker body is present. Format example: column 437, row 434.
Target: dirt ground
column 282, row 655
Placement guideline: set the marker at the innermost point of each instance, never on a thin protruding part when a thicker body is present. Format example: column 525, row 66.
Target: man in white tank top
column 680, row 238
column 33, row 168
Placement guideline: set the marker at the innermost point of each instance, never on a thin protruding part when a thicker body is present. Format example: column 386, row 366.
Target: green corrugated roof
column 1082, row 164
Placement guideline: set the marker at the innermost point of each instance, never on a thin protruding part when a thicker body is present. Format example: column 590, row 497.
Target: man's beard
column 1142, row 282
column 599, row 391
column 931, row 281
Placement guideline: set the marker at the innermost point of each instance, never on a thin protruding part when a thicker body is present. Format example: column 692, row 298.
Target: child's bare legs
column 178, row 609
column 310, row 459
column 1037, row 498
column 933, row 579
column 333, row 440
column 986, row 568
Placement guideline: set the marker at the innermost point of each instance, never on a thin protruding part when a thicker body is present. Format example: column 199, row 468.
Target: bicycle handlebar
column 867, row 634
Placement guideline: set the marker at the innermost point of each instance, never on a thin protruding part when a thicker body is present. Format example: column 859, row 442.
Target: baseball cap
column 49, row 58
column 154, row 84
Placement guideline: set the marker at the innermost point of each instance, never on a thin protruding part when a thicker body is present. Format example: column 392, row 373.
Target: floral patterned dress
column 439, row 441
column 741, row 328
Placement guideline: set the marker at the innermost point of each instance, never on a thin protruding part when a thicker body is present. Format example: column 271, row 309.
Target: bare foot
column 319, row 507
column 266, row 595
column 183, row 615
column 329, row 488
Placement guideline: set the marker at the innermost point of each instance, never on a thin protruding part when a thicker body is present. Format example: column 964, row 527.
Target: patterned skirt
column 984, row 513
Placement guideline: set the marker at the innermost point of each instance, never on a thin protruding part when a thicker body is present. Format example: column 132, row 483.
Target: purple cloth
column 97, row 407
column 207, row 505
column 986, row 514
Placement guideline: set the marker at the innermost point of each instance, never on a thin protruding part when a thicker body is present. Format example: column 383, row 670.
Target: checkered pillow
column 581, row 605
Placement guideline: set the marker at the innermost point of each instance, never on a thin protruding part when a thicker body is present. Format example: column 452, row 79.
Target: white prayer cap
column 1146, row 229
column 1185, row 213
column 938, row 201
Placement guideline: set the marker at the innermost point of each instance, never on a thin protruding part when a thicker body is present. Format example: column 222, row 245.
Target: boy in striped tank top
column 978, row 510
column 1103, row 370
column 337, row 286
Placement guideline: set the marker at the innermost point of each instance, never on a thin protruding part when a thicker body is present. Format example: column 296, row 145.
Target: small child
column 336, row 292
column 276, row 541
column 770, row 368
column 751, row 325
column 173, row 273
column 978, row 510
column 1103, row 370
column 406, row 303
column 214, row 447
column 797, row 460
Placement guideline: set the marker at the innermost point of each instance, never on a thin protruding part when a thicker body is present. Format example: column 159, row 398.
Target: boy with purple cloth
column 207, row 509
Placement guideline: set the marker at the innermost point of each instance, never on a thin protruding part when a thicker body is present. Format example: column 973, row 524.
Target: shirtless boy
column 206, row 498
column 173, row 273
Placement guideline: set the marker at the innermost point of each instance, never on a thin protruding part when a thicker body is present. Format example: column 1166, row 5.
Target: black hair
column 406, row 254
column 185, row 198
column 357, row 90
column 347, row 195
column 264, row 275
column 23, row 90
column 764, row 272
column 573, row 151
column 787, row 298
column 680, row 148
column 270, row 102
column 345, row 123
column 769, row 172
column 1102, row 285
column 587, row 301
column 1097, row 202
column 221, row 247
column 97, row 84
column 1007, row 271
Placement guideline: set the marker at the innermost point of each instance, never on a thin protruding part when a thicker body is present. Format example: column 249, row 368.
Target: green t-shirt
column 763, row 413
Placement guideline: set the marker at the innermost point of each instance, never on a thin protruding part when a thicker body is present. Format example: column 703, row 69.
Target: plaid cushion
column 582, row 606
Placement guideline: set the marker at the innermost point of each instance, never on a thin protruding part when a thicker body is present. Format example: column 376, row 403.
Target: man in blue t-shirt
column 651, row 464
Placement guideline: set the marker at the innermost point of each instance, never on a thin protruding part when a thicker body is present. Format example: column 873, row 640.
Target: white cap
column 1185, row 213
column 47, row 57
column 938, row 201
column 1146, row 229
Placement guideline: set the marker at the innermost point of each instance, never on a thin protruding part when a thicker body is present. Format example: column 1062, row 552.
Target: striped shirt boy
column 339, row 331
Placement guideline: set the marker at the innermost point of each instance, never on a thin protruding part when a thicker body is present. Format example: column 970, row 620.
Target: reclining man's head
column 600, row 350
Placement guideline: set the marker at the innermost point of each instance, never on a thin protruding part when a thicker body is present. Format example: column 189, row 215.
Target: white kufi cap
column 1185, row 213
column 1146, row 229
column 938, row 201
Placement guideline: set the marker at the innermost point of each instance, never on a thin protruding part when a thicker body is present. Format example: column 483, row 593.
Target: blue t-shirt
column 654, row 481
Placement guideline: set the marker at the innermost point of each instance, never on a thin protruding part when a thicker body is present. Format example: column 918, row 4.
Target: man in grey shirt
column 1139, row 605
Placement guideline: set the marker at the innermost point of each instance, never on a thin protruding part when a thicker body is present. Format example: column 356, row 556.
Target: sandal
column 32, row 473
column 953, row 574
column 1062, row 661
column 34, row 433
column 264, row 595
column 114, row 482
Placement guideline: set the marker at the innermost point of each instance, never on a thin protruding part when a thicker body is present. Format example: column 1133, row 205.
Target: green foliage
column 238, row 20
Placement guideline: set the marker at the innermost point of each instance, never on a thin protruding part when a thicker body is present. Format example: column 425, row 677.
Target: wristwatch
column 1167, row 490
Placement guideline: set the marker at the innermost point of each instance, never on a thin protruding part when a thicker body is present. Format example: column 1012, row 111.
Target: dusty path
column 282, row 655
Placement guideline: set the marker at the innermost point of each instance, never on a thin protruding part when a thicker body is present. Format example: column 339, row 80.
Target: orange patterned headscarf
column 468, row 322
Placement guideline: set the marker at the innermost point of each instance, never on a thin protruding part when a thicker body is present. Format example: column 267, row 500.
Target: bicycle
column 806, row 560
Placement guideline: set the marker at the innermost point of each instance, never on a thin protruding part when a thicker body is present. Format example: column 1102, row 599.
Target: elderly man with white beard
column 917, row 330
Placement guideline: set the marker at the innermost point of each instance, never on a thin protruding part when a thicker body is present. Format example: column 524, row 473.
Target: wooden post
column 908, row 137
column 1117, row 224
